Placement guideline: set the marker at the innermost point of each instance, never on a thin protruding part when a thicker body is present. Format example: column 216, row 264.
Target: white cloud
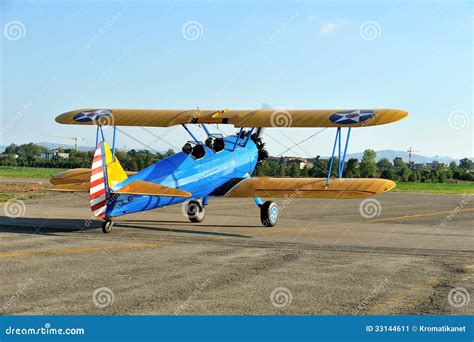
column 332, row 25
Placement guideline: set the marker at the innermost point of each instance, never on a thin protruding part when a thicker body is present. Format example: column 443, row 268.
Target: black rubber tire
column 107, row 226
column 195, row 211
column 269, row 214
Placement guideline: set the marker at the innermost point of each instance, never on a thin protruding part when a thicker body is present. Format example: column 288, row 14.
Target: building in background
column 54, row 153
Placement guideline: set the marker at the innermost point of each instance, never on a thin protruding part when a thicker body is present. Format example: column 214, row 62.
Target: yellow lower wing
column 310, row 187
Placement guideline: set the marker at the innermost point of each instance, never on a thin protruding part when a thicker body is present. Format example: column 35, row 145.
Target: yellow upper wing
column 310, row 187
column 238, row 118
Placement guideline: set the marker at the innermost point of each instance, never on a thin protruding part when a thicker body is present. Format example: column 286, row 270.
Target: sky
column 58, row 56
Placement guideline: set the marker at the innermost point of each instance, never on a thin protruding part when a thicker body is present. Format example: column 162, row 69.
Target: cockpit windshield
column 215, row 142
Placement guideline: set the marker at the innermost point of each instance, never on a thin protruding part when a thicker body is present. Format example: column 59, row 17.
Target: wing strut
column 341, row 161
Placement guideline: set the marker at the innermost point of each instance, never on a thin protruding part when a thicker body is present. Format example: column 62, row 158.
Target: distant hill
column 55, row 145
column 65, row 146
column 391, row 154
column 51, row 146
column 417, row 158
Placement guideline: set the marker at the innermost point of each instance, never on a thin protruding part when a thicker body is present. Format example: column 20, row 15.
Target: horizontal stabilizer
column 73, row 176
column 74, row 180
column 72, row 187
column 310, row 187
column 139, row 187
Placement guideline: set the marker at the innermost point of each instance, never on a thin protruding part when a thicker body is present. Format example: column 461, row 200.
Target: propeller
column 257, row 139
column 262, row 152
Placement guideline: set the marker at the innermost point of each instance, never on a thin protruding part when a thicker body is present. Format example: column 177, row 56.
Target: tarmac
column 397, row 253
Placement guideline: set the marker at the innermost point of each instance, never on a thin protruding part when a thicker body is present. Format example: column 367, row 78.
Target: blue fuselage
column 200, row 177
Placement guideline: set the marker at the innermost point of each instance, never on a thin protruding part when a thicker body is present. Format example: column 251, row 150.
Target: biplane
column 218, row 167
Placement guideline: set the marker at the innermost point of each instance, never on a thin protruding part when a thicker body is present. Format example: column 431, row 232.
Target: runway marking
column 84, row 250
column 262, row 233
column 435, row 213
column 405, row 301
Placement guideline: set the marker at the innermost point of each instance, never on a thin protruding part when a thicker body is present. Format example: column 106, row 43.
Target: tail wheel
column 269, row 213
column 195, row 211
column 107, row 226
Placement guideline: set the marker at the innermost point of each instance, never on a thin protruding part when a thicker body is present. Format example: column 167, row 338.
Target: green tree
column 264, row 170
column 305, row 171
column 384, row 164
column 368, row 166
column 388, row 174
column 320, row 168
column 404, row 173
column 352, row 168
column 453, row 166
column 294, row 170
column 11, row 149
column 168, row 153
column 466, row 164
column 398, row 163
column 281, row 170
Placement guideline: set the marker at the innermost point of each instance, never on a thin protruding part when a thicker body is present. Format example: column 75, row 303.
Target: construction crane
column 76, row 139
column 410, row 154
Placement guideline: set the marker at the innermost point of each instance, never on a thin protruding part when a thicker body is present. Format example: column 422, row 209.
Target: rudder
column 105, row 173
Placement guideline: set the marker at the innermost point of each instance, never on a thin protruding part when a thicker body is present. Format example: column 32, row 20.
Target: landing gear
column 269, row 213
column 195, row 211
column 107, row 226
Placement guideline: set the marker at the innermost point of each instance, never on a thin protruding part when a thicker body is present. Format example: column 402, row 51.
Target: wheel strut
column 107, row 226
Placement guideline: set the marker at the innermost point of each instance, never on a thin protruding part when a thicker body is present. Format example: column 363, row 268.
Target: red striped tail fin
column 98, row 183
